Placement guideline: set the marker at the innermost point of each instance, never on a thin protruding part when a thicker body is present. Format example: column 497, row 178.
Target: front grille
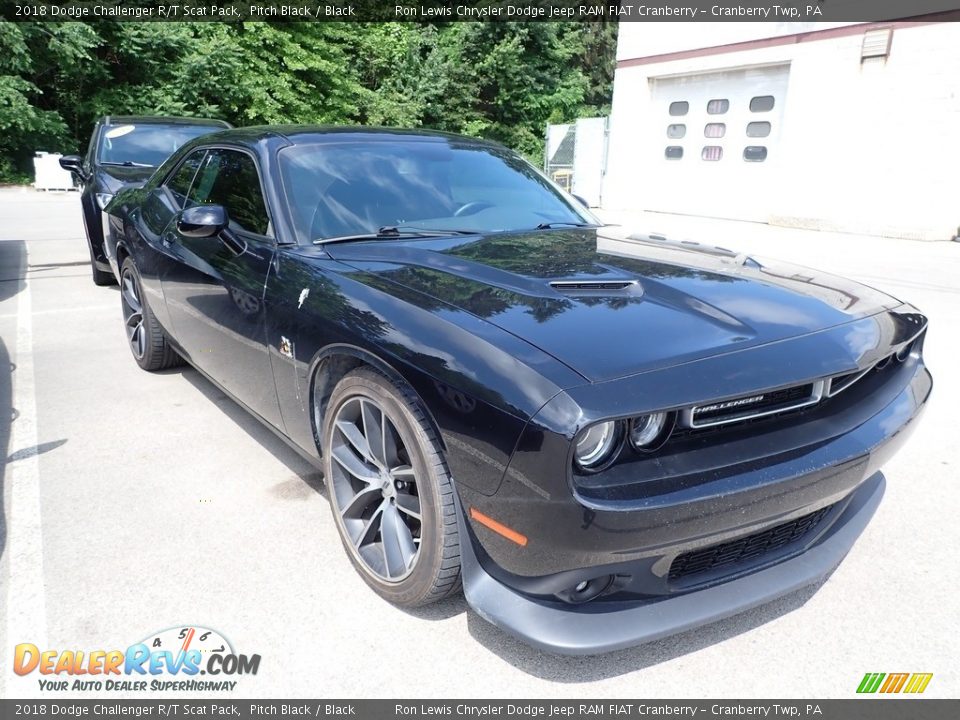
column 842, row 382
column 750, row 406
column 745, row 548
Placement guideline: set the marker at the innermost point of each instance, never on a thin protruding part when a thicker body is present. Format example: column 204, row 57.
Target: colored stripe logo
column 913, row 683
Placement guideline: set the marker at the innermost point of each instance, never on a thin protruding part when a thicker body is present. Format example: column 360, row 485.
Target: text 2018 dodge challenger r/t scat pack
column 606, row 442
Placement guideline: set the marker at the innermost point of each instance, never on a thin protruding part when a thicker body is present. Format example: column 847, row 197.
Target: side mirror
column 582, row 201
column 202, row 221
column 74, row 164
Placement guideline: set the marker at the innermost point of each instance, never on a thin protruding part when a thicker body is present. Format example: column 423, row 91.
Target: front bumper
column 839, row 477
column 603, row 627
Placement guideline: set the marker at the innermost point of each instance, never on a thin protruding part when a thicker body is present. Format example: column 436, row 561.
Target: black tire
column 145, row 337
column 434, row 572
column 100, row 277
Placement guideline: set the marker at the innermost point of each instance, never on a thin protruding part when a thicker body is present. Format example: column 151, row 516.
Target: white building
column 836, row 126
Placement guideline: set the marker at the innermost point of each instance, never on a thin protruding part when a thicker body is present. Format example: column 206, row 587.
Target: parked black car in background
column 604, row 441
column 123, row 150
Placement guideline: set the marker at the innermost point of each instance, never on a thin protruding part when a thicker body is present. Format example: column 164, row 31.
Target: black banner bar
column 807, row 11
column 877, row 708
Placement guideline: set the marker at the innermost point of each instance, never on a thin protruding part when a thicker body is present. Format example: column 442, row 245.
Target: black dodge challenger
column 124, row 150
column 604, row 442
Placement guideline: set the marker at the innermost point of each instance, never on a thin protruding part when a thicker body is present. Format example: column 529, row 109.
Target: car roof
column 161, row 120
column 309, row 134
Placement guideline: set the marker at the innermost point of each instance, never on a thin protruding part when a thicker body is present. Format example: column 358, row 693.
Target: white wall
column 869, row 147
column 640, row 39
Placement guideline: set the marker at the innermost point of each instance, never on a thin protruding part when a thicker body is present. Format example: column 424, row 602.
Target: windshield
column 147, row 144
column 356, row 188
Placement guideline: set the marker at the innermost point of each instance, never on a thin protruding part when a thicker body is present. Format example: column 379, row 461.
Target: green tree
column 596, row 56
column 502, row 81
column 38, row 62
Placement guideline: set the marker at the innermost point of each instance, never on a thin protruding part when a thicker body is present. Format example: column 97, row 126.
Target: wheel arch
column 332, row 363
column 123, row 252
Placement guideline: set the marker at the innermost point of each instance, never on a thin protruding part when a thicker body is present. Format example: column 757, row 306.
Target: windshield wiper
column 392, row 232
column 427, row 231
column 551, row 225
column 128, row 163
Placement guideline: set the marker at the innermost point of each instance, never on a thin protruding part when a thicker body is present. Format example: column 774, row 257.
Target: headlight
column 103, row 199
column 597, row 444
column 648, row 432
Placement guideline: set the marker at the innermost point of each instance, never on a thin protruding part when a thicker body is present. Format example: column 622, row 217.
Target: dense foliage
column 502, row 81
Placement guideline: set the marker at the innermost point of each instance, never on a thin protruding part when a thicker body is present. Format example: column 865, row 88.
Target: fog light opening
column 587, row 590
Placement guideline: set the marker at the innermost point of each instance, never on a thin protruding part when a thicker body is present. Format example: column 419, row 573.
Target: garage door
column 713, row 140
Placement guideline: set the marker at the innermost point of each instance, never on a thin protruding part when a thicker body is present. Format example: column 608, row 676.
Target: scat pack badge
column 170, row 660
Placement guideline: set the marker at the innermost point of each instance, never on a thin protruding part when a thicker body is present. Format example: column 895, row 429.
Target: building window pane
column 676, row 131
column 764, row 103
column 718, row 107
column 711, row 152
column 679, row 108
column 758, row 129
column 714, row 130
column 673, row 152
column 755, row 153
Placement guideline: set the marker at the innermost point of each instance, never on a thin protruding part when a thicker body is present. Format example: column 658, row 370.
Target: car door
column 153, row 234
column 92, row 222
column 214, row 287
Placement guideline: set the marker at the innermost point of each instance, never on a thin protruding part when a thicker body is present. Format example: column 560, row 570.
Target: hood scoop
column 585, row 287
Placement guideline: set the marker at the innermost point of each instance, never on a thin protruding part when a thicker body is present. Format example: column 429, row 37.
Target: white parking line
column 26, row 600
column 57, row 311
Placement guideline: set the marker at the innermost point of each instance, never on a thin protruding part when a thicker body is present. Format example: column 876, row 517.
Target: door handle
column 235, row 244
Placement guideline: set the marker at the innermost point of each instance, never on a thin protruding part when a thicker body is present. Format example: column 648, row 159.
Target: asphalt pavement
column 136, row 502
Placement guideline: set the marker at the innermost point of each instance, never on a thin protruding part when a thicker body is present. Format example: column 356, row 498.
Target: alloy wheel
column 133, row 313
column 375, row 488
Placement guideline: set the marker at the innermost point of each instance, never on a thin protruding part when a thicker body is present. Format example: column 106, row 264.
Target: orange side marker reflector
column 498, row 528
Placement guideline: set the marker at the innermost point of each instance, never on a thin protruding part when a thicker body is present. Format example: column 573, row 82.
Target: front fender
column 479, row 384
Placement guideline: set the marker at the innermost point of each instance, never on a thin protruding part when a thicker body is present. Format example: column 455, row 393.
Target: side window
column 181, row 180
column 230, row 178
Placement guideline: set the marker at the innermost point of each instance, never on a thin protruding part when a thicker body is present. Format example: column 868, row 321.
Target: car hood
column 114, row 177
column 609, row 307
